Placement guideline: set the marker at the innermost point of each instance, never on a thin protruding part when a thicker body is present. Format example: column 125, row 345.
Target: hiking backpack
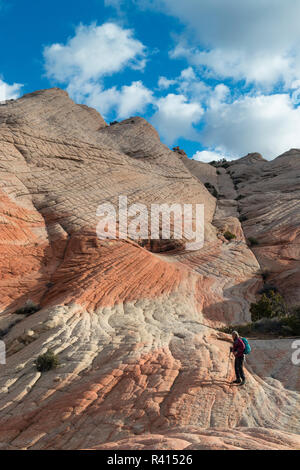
column 247, row 346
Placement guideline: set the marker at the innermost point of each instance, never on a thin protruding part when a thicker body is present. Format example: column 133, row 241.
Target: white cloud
column 134, row 98
column 9, row 92
column 94, row 51
column 257, row 67
column 175, row 117
column 190, row 85
column 124, row 102
column 255, row 40
column 187, row 84
column 207, row 156
column 188, row 74
column 164, row 83
column 268, row 124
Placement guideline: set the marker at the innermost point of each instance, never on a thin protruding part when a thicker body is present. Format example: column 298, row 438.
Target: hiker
column 238, row 350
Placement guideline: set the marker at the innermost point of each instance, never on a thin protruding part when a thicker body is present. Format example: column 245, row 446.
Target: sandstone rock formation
column 141, row 363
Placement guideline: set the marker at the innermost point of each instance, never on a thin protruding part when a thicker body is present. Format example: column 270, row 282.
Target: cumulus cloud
column 207, row 156
column 124, row 102
column 258, row 67
column 268, row 124
column 164, row 83
column 253, row 40
column 94, row 51
column 9, row 92
column 256, row 41
column 187, row 84
column 175, row 117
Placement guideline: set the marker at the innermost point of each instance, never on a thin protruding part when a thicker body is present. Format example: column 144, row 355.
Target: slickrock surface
column 141, row 363
column 270, row 200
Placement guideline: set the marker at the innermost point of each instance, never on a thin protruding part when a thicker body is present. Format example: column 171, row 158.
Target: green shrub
column 220, row 163
column 28, row 309
column 243, row 218
column 291, row 324
column 229, row 236
column 269, row 306
column 252, row 241
column 280, row 323
column 47, row 361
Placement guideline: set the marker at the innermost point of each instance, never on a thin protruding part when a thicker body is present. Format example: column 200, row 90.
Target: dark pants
column 238, row 365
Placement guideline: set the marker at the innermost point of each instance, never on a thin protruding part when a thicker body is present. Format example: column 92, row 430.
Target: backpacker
column 247, row 346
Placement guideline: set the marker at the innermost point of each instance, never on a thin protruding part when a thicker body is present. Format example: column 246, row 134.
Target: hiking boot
column 236, row 382
column 242, row 382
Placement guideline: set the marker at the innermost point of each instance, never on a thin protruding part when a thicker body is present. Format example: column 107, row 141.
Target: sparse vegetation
column 179, row 150
column 270, row 317
column 243, row 218
column 220, row 163
column 47, row 361
column 229, row 236
column 239, row 197
column 28, row 309
column 273, row 327
column 270, row 305
column 113, row 123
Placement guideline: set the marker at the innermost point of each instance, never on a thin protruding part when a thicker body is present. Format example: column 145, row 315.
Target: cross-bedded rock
column 141, row 363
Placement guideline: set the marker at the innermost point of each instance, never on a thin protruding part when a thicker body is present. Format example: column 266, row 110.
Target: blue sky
column 216, row 77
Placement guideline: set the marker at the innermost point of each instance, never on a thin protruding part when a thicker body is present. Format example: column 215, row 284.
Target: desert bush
column 220, row 163
column 269, row 306
column 47, row 361
column 284, row 323
column 229, row 236
column 291, row 324
column 243, row 218
column 179, row 150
